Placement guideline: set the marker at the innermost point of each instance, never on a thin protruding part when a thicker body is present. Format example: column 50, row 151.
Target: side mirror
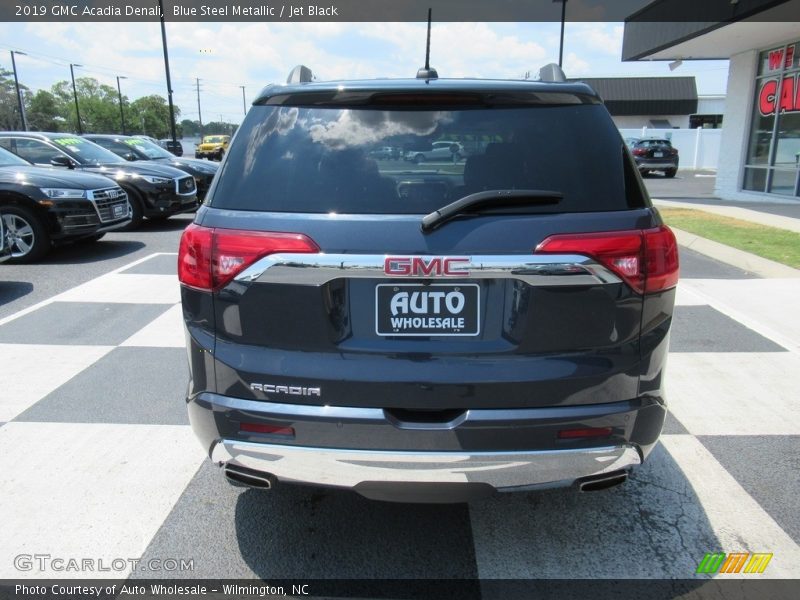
column 129, row 156
column 62, row 161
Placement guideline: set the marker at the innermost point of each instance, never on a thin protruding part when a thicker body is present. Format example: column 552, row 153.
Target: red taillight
column 661, row 251
column 639, row 151
column 585, row 432
column 194, row 257
column 647, row 260
column 266, row 428
column 209, row 258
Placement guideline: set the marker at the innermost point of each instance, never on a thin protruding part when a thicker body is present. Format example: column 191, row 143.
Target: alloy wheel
column 20, row 235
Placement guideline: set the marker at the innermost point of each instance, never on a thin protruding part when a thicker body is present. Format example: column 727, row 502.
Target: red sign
column 418, row 266
column 789, row 101
column 776, row 57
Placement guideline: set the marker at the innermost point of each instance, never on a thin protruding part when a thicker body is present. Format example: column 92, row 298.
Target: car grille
column 186, row 185
column 106, row 199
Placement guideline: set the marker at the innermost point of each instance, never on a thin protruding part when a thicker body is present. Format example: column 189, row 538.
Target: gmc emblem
column 420, row 266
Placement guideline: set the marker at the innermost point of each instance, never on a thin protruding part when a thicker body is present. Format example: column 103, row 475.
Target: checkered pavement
column 97, row 458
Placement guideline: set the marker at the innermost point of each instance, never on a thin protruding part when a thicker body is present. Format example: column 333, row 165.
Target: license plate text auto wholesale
column 424, row 310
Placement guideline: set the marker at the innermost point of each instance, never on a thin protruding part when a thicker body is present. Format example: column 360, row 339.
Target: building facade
column 760, row 147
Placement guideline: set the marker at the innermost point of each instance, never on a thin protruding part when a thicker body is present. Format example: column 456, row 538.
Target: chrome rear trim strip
column 533, row 269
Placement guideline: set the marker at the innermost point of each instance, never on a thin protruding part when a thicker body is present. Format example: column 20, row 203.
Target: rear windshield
column 342, row 160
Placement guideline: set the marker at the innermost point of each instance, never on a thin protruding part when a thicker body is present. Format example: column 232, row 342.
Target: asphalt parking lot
column 97, row 459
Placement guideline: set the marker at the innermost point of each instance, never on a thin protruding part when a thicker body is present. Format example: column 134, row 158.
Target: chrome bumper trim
column 533, row 269
column 349, row 468
column 657, row 165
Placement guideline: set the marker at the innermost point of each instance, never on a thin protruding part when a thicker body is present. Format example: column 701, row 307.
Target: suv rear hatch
column 328, row 291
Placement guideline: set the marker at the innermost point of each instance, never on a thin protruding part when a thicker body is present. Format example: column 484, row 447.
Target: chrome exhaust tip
column 244, row 477
column 596, row 483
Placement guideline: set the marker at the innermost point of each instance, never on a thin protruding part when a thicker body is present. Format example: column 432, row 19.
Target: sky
column 226, row 56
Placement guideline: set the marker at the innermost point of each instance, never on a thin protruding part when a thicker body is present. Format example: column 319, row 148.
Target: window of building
column 773, row 152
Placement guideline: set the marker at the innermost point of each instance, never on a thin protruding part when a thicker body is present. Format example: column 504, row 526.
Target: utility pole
column 199, row 114
column 19, row 94
column 244, row 102
column 121, row 112
column 166, row 69
column 75, row 93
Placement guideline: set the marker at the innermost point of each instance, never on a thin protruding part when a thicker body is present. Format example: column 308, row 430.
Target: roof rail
column 300, row 74
column 552, row 73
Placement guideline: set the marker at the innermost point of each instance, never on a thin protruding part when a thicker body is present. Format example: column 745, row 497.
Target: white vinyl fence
column 698, row 148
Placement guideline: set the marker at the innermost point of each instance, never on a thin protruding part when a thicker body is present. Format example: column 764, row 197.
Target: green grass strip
column 775, row 244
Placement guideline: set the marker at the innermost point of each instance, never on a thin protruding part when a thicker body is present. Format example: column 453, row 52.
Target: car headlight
column 63, row 193
column 156, row 180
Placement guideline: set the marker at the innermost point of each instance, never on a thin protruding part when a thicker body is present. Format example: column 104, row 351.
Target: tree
column 98, row 104
column 9, row 106
column 54, row 110
column 219, row 128
column 150, row 116
column 190, row 128
column 44, row 112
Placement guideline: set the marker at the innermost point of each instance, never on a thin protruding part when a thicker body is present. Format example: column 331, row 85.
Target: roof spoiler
column 300, row 74
column 552, row 73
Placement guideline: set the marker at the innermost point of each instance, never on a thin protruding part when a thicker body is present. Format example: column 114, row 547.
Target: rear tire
column 220, row 154
column 419, row 158
column 137, row 210
column 28, row 236
column 670, row 173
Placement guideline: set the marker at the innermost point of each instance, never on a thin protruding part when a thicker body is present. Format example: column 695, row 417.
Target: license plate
column 119, row 210
column 407, row 309
column 658, row 155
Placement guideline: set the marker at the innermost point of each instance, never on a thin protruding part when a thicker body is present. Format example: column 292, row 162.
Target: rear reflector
column 209, row 258
column 647, row 260
column 265, row 428
column 586, row 432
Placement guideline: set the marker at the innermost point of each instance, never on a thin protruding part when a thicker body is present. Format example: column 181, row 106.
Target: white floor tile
column 739, row 522
column 732, row 393
column 32, row 371
column 121, row 287
column 768, row 306
column 164, row 332
column 685, row 296
column 89, row 490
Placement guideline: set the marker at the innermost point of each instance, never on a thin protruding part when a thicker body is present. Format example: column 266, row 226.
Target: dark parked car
column 133, row 148
column 45, row 206
column 175, row 147
column 656, row 155
column 428, row 334
column 154, row 190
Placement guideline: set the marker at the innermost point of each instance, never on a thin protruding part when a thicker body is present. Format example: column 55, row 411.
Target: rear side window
column 364, row 160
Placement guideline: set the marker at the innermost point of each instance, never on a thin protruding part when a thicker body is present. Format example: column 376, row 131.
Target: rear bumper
column 656, row 164
column 361, row 469
column 169, row 203
column 362, row 448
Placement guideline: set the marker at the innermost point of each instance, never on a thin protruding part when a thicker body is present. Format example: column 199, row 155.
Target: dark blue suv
column 497, row 319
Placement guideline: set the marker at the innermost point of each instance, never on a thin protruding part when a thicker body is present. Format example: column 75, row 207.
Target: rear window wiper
column 492, row 199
